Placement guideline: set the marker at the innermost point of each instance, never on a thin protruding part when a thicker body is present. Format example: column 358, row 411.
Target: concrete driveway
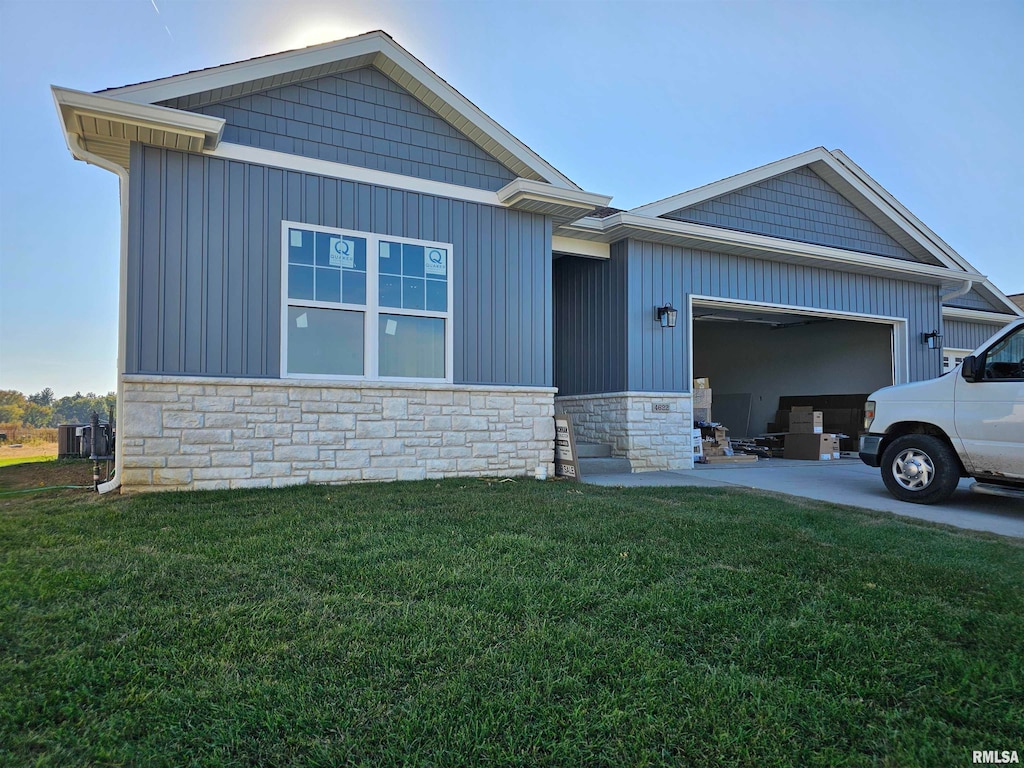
column 846, row 481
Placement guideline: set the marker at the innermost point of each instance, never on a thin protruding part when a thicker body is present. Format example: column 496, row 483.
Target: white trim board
column 977, row 315
column 290, row 162
column 900, row 326
column 627, row 224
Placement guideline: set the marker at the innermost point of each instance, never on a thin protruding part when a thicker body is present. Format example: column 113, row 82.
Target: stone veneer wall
column 179, row 433
column 628, row 423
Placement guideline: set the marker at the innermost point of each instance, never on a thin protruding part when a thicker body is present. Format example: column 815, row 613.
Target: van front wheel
column 921, row 469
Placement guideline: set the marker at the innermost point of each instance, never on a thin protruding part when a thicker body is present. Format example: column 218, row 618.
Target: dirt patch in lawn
column 45, row 474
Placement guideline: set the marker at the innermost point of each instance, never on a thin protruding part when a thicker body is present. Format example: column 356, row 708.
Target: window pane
column 411, row 346
column 390, row 258
column 437, row 296
column 353, row 287
column 300, row 282
column 412, row 293
column 300, row 247
column 328, row 284
column 340, row 251
column 437, row 263
column 390, row 291
column 412, row 260
column 325, row 341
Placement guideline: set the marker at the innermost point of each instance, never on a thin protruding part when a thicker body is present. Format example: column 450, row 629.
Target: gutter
column 80, row 153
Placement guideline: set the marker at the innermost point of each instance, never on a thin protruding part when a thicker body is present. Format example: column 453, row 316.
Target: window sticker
column 343, row 252
column 390, row 327
column 437, row 262
column 302, row 321
column 296, row 238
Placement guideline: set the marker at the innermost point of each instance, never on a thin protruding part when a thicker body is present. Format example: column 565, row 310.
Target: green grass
column 469, row 623
column 7, row 461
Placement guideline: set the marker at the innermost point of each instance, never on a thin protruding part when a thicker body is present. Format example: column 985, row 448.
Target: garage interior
column 756, row 358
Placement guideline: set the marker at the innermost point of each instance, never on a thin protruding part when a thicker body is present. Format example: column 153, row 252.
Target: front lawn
column 514, row 623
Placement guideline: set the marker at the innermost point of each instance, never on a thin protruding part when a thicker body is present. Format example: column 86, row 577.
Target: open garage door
column 756, row 355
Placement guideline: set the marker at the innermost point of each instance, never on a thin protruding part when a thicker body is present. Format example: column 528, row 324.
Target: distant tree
column 11, row 397
column 11, row 414
column 45, row 397
column 37, row 415
column 78, row 408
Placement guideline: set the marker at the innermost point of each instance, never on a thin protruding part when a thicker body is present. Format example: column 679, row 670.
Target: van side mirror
column 969, row 368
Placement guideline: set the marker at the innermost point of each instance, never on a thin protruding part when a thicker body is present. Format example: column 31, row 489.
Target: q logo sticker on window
column 437, row 262
column 343, row 252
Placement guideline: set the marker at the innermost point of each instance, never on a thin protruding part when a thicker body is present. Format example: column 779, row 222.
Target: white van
column 969, row 422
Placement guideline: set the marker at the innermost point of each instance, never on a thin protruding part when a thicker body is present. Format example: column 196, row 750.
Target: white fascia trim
column 1002, row 297
column 576, row 247
column 977, row 316
column 370, row 44
column 628, row 223
column 896, row 205
column 730, row 184
column 519, row 189
column 286, row 161
column 70, row 102
column 900, row 325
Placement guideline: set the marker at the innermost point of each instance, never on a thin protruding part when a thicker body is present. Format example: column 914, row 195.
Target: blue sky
column 639, row 100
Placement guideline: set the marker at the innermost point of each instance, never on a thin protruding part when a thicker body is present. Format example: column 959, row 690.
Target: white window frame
column 371, row 310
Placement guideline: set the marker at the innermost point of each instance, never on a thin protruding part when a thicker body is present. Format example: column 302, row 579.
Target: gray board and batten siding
column 360, row 118
column 966, row 334
column 974, row 300
column 645, row 275
column 798, row 205
column 590, row 323
column 204, row 267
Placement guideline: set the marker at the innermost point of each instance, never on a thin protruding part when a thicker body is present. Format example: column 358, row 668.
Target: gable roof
column 849, row 180
column 862, row 191
column 206, row 86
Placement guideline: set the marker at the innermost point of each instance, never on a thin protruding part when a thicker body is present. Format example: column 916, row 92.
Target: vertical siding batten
column 204, row 274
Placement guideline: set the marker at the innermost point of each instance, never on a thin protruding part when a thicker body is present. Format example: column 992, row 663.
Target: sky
column 639, row 100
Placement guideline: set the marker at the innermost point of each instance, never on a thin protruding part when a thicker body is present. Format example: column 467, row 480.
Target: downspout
column 961, row 291
column 75, row 145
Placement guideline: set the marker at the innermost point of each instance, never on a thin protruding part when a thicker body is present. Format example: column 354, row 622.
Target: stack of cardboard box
column 807, row 438
column 702, row 400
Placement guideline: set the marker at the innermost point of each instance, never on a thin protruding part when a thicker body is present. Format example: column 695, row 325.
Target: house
column 334, row 267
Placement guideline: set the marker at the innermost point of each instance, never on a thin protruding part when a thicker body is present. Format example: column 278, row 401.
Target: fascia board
column 71, row 102
column 730, row 184
column 389, row 55
column 627, row 224
column 901, row 209
column 978, row 315
column 518, row 189
column 226, row 75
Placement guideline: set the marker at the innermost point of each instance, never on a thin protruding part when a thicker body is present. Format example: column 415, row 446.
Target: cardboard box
column 698, row 443
column 809, row 446
column 807, row 421
column 702, row 414
column 704, row 383
column 702, row 398
column 835, row 447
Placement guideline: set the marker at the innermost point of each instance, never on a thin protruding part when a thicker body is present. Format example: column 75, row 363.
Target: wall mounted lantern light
column 933, row 340
column 667, row 316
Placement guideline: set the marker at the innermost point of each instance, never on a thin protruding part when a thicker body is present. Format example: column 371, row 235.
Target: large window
column 364, row 306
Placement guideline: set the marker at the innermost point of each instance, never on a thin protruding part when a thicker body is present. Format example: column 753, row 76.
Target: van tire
column 921, row 469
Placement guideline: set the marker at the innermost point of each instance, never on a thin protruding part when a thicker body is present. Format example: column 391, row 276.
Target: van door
column 989, row 413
